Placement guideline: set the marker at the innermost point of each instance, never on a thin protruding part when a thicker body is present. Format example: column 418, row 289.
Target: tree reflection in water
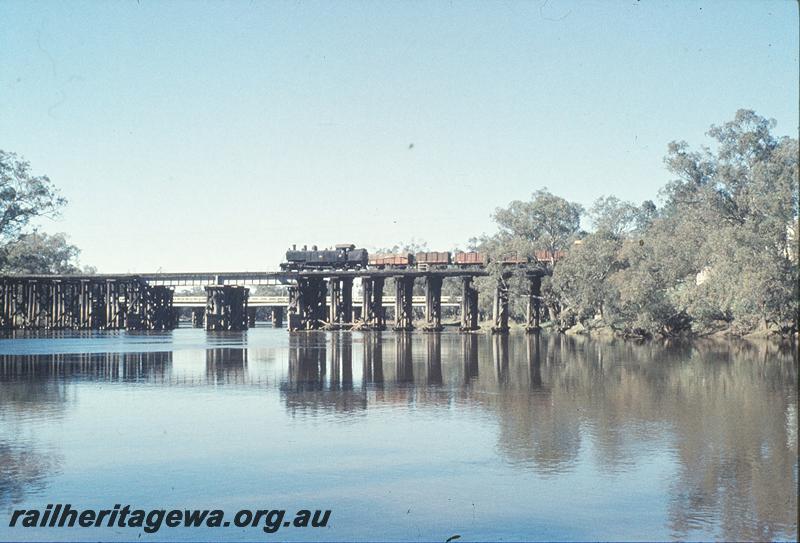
column 725, row 413
column 726, row 410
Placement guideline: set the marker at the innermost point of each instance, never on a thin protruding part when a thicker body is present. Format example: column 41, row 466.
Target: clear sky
column 194, row 136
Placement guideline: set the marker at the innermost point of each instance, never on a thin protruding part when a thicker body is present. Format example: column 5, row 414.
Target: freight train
column 347, row 257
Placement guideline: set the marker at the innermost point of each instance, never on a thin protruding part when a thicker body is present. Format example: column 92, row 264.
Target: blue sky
column 210, row 135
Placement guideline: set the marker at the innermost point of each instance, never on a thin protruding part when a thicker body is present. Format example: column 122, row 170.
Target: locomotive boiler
column 341, row 257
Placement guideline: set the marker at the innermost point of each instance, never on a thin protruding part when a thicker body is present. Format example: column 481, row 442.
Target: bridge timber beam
column 403, row 308
column 500, row 308
column 341, row 308
column 160, row 315
column 307, row 304
column 533, row 313
column 469, row 305
column 198, row 317
column 433, row 304
column 88, row 303
column 372, row 313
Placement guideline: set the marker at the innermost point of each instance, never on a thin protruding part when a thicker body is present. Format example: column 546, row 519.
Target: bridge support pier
column 160, row 315
column 341, row 309
column 307, row 304
column 136, row 302
column 534, row 299
column 198, row 317
column 403, row 308
column 500, row 309
column 251, row 317
column 147, row 307
column 71, row 292
column 88, row 304
column 469, row 305
column 115, row 305
column 293, row 310
column 35, row 304
column 92, row 305
column 346, row 309
column 372, row 314
column 336, row 299
column 433, row 304
column 226, row 308
column 277, row 317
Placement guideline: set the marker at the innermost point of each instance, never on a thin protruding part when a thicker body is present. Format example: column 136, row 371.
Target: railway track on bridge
column 317, row 298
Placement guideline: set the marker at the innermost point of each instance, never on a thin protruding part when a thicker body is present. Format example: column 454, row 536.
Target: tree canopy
column 720, row 251
column 548, row 222
column 23, row 197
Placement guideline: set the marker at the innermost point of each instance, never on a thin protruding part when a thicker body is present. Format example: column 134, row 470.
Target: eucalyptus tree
column 546, row 222
column 40, row 253
column 23, row 196
column 720, row 252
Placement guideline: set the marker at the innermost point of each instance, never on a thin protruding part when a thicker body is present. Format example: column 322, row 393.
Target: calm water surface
column 405, row 436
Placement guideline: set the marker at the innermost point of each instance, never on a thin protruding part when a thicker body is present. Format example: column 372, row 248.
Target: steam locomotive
column 341, row 257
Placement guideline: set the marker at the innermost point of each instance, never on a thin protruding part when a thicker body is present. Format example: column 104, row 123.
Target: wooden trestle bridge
column 316, row 299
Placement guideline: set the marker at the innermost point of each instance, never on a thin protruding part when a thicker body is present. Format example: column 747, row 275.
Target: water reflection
column 469, row 358
column 720, row 417
column 226, row 366
column 308, row 389
column 45, row 370
column 372, row 370
column 24, row 469
column 404, row 367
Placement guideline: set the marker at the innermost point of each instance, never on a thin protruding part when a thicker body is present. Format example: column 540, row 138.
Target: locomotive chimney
column 313, row 247
column 305, row 247
column 294, row 247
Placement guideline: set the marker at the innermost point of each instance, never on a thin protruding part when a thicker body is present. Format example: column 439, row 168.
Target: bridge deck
column 256, row 277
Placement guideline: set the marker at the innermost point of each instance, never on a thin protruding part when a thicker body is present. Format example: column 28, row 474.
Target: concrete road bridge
column 179, row 300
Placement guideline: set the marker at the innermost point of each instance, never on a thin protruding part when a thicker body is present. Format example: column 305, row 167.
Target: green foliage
column 720, row 252
column 23, row 196
column 39, row 253
column 612, row 217
column 547, row 222
column 581, row 278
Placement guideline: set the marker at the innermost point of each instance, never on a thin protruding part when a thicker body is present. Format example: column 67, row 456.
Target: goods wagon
column 433, row 258
column 513, row 258
column 392, row 261
column 545, row 256
column 470, row 259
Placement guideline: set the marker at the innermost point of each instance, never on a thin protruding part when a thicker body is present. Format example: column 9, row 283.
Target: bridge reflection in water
column 722, row 415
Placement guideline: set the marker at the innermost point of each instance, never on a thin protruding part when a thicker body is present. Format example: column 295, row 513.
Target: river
column 403, row 436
